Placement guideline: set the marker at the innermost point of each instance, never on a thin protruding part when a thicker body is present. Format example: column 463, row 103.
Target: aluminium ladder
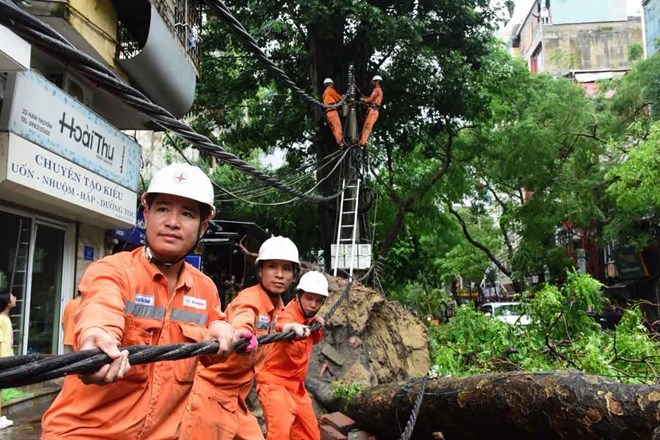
column 347, row 225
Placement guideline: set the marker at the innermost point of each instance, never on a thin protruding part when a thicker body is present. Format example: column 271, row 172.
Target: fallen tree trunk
column 558, row 405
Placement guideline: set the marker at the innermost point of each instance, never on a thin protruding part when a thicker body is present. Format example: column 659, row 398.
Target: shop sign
column 630, row 263
column 38, row 169
column 44, row 114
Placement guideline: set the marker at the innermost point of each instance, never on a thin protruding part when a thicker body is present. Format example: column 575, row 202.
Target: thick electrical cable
column 42, row 36
column 16, row 371
column 410, row 425
column 295, row 199
column 295, row 177
column 223, row 12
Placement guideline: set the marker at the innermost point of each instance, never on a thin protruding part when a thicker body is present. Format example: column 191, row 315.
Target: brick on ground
column 338, row 421
column 330, row 433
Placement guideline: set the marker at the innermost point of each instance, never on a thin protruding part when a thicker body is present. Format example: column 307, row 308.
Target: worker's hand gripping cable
column 28, row 369
column 301, row 331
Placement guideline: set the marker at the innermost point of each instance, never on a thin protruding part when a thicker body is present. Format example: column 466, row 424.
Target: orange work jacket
column 375, row 98
column 331, row 96
column 287, row 362
column 230, row 382
column 128, row 297
column 68, row 323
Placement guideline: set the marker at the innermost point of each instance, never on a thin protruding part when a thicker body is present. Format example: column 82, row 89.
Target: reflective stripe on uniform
column 143, row 311
column 188, row 316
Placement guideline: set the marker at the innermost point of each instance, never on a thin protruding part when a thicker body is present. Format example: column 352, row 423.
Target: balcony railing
column 185, row 22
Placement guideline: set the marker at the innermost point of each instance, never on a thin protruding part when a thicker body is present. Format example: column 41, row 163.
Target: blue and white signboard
column 195, row 260
column 88, row 253
column 38, row 169
column 135, row 235
column 44, row 114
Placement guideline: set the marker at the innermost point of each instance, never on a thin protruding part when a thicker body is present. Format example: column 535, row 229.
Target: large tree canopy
column 463, row 124
column 428, row 53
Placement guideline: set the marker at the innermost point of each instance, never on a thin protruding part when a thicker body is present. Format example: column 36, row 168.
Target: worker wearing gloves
column 373, row 101
column 281, row 383
column 217, row 409
column 331, row 96
column 149, row 296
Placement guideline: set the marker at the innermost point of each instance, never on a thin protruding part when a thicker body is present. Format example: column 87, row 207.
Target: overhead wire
column 222, row 11
column 42, row 36
column 294, row 176
column 294, row 199
column 261, row 191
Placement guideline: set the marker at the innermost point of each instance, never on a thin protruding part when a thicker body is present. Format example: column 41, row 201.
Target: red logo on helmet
column 180, row 178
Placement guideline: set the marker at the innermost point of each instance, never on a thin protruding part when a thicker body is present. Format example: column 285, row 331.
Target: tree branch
column 477, row 244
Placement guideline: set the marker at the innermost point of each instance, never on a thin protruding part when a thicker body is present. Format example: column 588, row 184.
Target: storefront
column 66, row 178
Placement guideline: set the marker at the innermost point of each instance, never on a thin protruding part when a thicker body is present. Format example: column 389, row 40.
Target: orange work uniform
column 128, row 297
column 217, row 409
column 374, row 101
column 287, row 406
column 331, row 96
column 68, row 323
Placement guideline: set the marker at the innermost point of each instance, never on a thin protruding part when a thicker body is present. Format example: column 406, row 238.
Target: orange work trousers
column 289, row 414
column 206, row 418
column 335, row 125
column 369, row 122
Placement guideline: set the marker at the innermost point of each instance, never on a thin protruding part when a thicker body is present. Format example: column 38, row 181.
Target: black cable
column 410, row 426
column 221, row 10
column 47, row 39
column 28, row 369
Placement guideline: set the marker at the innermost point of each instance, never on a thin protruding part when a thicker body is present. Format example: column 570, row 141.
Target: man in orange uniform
column 374, row 101
column 67, row 323
column 281, row 384
column 331, row 96
column 217, row 409
column 148, row 296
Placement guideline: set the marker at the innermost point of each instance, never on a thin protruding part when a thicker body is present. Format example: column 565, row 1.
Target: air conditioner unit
column 73, row 87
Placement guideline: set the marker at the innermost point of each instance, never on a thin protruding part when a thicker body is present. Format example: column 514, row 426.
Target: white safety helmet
column 314, row 282
column 278, row 248
column 328, row 81
column 377, row 78
column 183, row 180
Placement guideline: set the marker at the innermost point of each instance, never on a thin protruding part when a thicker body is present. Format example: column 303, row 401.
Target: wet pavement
column 27, row 424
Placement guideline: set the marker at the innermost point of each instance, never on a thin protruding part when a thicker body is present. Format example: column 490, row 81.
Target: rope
column 410, row 426
column 42, row 36
column 16, row 371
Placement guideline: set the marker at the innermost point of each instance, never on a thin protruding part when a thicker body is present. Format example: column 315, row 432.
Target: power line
column 293, row 199
column 252, row 46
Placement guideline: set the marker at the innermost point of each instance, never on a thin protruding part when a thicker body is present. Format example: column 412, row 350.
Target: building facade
column 651, row 11
column 68, row 173
column 590, row 39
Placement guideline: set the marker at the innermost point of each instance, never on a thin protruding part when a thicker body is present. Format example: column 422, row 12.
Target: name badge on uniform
column 262, row 322
column 145, row 300
column 197, row 303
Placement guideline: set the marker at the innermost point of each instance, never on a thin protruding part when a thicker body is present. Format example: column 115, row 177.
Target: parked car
column 508, row 312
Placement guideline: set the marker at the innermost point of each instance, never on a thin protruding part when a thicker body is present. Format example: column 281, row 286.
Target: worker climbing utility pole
column 373, row 101
column 331, row 96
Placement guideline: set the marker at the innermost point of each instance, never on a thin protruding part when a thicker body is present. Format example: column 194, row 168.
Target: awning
column 228, row 232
